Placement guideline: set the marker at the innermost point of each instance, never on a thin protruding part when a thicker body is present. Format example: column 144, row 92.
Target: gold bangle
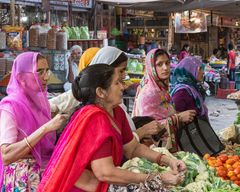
column 28, row 144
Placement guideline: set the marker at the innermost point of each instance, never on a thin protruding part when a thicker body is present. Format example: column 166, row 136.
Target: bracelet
column 28, row 144
column 159, row 158
column 136, row 136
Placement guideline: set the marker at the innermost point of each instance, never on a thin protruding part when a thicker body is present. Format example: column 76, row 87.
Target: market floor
column 222, row 112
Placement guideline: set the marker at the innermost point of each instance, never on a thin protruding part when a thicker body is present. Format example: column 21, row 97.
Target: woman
column 98, row 136
column 117, row 59
column 154, row 100
column 26, row 132
column 66, row 103
column 184, row 52
column 187, row 92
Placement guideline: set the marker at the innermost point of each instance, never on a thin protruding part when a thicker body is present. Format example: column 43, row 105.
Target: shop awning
column 222, row 7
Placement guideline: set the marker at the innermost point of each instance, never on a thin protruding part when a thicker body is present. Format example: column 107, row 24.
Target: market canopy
column 223, row 7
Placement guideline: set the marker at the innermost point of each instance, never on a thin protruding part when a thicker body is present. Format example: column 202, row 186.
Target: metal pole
column 95, row 19
column 12, row 10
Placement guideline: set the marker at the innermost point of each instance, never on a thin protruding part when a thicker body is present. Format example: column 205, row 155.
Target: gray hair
column 74, row 47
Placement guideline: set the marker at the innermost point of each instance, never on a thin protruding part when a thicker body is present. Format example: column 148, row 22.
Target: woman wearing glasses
column 27, row 135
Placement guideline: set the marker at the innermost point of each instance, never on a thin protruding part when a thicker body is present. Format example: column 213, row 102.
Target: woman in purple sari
column 27, row 134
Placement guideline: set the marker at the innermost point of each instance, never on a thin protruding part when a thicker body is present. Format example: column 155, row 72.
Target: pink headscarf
column 153, row 98
column 27, row 103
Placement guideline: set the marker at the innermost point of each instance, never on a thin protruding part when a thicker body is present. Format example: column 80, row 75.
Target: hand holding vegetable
column 171, row 178
column 175, row 164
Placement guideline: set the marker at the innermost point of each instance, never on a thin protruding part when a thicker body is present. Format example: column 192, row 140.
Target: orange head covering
column 87, row 57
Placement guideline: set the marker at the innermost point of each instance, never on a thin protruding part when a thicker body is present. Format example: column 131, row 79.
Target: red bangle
column 159, row 158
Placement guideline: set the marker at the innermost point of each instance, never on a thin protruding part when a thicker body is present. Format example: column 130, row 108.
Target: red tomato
column 222, row 173
column 237, row 183
column 223, row 158
column 235, row 157
column 230, row 161
column 238, row 176
column 237, row 170
column 235, row 165
column 233, row 178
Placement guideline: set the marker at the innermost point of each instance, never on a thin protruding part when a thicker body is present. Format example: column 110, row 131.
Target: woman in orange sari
column 91, row 147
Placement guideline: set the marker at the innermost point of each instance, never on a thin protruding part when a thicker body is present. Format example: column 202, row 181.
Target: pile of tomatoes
column 227, row 167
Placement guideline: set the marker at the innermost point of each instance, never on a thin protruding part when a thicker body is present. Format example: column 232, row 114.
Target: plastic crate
column 232, row 85
column 237, row 76
column 223, row 93
column 237, row 85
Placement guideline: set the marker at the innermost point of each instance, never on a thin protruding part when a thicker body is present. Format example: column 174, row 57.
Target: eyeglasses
column 43, row 72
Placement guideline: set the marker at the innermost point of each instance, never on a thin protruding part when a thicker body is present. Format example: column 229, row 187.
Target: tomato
column 230, row 169
column 235, row 157
column 222, row 173
column 223, row 158
column 212, row 158
column 237, row 170
column 235, row 165
column 233, row 178
column 206, row 156
column 238, row 176
column 230, row 174
column 237, row 183
column 227, row 166
column 211, row 162
column 218, row 164
column 230, row 161
column 221, row 168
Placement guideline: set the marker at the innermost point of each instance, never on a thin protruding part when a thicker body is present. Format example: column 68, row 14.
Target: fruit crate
column 222, row 93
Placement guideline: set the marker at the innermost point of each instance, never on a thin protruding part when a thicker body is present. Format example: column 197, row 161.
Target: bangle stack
column 28, row 144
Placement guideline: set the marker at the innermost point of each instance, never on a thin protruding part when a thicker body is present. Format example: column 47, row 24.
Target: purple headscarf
column 185, row 77
column 27, row 103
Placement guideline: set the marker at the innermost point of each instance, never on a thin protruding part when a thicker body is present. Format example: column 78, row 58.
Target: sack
column 199, row 137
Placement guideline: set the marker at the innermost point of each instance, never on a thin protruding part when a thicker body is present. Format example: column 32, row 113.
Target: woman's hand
column 56, row 123
column 171, row 178
column 149, row 129
column 177, row 165
column 187, row 116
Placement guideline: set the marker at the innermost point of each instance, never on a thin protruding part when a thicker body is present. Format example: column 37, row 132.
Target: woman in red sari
column 91, row 147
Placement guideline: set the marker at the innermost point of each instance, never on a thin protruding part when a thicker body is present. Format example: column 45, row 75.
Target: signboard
column 193, row 22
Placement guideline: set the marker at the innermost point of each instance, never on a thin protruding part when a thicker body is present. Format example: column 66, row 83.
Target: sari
column 90, row 124
column 153, row 99
column 185, row 78
column 28, row 106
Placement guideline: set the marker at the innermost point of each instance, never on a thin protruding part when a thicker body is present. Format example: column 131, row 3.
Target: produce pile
column 227, row 167
column 199, row 176
column 234, row 96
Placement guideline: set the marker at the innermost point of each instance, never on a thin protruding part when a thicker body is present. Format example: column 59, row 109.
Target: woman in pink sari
column 92, row 145
column 26, row 131
column 153, row 97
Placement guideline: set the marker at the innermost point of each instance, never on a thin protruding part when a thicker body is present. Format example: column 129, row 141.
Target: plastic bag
column 84, row 32
column 14, row 37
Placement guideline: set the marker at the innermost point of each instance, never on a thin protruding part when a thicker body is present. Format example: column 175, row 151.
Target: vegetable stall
column 210, row 174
